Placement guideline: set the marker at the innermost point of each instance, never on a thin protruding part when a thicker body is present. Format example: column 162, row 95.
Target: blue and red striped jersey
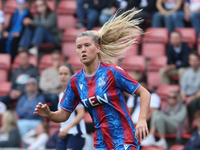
column 103, row 97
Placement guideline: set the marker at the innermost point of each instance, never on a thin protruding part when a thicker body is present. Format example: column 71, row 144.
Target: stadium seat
column 3, row 75
column 156, row 63
column 65, row 21
column 75, row 62
column 156, row 35
column 163, row 90
column 1, row 4
column 33, row 60
column 68, row 49
column 5, row 61
column 152, row 148
column 150, row 50
column 50, row 3
column 67, row 7
column 5, row 88
column 153, row 79
column 10, row 6
column 87, row 118
column 96, row 28
column 7, row 17
column 177, row 147
column 70, row 34
column 46, row 62
column 133, row 50
column 188, row 36
column 134, row 63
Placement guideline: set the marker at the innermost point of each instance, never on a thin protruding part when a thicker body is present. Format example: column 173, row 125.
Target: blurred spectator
column 193, row 143
column 9, row 135
column 1, row 23
column 148, row 8
column 89, row 9
column 49, row 81
column 26, row 107
column 190, row 85
column 177, row 58
column 42, row 29
column 12, row 35
column 164, row 15
column 110, row 10
column 133, row 103
column 191, row 14
column 37, row 138
column 170, row 120
column 73, row 130
column 20, row 77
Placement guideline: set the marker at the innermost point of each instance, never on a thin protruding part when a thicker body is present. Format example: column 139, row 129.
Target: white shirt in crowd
column 2, row 16
column 155, row 103
column 35, row 143
column 143, row 3
column 193, row 4
column 74, row 129
column 170, row 4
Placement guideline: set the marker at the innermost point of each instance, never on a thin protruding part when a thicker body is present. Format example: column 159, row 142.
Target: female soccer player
column 99, row 86
column 72, row 131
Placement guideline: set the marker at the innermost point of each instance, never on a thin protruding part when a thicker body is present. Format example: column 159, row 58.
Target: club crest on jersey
column 126, row 146
column 101, row 81
column 81, row 86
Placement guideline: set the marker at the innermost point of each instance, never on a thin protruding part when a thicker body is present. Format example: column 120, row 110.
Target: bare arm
column 57, row 116
column 186, row 9
column 141, row 127
column 159, row 6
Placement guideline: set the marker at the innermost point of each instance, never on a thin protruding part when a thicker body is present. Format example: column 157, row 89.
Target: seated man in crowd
column 89, row 10
column 190, row 85
column 191, row 14
column 164, row 15
column 148, row 8
column 133, row 103
column 19, row 78
column 168, row 120
column 49, row 81
column 177, row 58
column 193, row 143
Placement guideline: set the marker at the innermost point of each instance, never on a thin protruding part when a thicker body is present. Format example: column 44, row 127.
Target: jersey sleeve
column 125, row 82
column 69, row 100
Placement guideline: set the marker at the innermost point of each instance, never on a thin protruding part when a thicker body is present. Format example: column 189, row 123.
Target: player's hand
column 141, row 129
column 42, row 110
column 63, row 133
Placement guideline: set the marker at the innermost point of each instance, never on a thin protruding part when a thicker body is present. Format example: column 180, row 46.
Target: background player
column 72, row 131
column 100, row 86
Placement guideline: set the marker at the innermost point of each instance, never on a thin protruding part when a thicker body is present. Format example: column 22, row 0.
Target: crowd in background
column 26, row 32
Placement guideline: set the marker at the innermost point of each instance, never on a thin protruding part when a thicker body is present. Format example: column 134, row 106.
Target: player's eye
column 87, row 45
column 78, row 47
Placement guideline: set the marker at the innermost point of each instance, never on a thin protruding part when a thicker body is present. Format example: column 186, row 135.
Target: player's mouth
column 84, row 56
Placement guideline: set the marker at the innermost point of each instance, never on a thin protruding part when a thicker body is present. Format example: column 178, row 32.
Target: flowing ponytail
column 116, row 35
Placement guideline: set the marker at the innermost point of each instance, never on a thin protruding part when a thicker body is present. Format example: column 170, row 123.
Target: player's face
column 64, row 75
column 87, row 50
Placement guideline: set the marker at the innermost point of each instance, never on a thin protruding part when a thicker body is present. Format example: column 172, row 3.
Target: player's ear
column 97, row 49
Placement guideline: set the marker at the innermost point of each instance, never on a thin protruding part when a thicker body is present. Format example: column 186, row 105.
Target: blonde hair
column 116, row 35
column 9, row 121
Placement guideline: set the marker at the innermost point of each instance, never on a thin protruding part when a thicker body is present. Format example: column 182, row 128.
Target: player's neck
column 92, row 68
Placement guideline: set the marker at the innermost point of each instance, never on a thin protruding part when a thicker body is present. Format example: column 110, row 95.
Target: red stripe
column 128, row 133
